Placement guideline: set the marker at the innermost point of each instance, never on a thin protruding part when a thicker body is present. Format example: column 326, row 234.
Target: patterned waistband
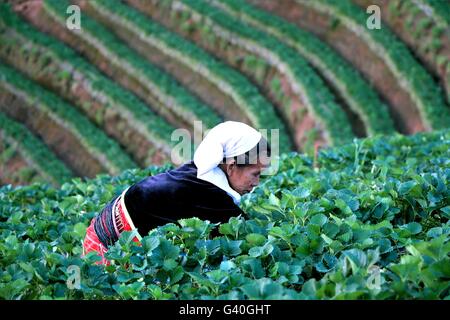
column 112, row 221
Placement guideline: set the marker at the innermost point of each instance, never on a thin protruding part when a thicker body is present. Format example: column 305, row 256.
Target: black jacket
column 177, row 194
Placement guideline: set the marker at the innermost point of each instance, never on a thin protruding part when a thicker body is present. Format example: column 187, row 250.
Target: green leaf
column 406, row 187
column 326, row 239
column 150, row 243
column 230, row 247
column 169, row 264
column 319, row 219
column 327, row 263
column 273, row 200
column 164, row 251
column 309, row 289
column 255, row 252
column 13, row 289
column 227, row 265
column 414, row 227
column 446, row 211
column 217, row 276
column 176, row 275
column 262, row 289
column 253, row 266
column 301, row 192
column 357, row 258
column 330, row 229
column 255, row 239
column 434, row 232
column 80, row 229
column 342, row 205
column 226, row 229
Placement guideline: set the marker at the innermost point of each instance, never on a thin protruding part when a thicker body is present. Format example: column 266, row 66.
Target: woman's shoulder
column 176, row 179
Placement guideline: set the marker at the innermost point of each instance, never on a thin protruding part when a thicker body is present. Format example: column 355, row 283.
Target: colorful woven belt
column 106, row 227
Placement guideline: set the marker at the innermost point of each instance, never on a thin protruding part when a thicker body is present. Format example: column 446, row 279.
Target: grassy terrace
column 440, row 9
column 424, row 91
column 357, row 93
column 233, row 84
column 319, row 101
column 154, row 86
column 48, row 61
column 93, row 140
column 427, row 35
column 419, row 30
column 15, row 169
column 36, row 154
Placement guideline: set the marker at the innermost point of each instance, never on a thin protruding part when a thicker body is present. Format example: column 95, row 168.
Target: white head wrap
column 227, row 139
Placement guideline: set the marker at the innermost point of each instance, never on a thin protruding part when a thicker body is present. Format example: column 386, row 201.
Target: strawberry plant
column 370, row 220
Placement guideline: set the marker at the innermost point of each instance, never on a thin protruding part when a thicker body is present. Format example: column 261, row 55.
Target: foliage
column 440, row 11
column 425, row 92
column 371, row 221
column 125, row 102
column 359, row 95
column 47, row 164
column 315, row 95
column 225, row 78
column 94, row 139
column 167, row 90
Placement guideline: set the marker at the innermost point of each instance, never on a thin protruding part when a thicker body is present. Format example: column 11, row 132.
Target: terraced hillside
column 109, row 97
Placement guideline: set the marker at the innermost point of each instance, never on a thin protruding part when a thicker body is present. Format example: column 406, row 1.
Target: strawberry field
column 367, row 220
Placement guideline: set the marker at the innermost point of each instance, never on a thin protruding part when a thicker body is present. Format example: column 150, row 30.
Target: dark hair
column 252, row 156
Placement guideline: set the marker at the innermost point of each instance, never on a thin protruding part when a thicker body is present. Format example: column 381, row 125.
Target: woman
column 227, row 164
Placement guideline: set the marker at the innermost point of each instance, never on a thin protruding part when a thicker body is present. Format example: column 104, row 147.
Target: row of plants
column 50, row 62
column 368, row 220
column 424, row 91
column 233, row 84
column 107, row 152
column 14, row 168
column 439, row 9
column 162, row 90
column 428, row 36
column 36, row 154
column 418, row 24
column 305, row 82
column 42, row 229
column 235, row 62
column 358, row 94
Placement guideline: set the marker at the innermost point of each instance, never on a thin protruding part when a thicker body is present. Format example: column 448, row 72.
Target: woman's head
column 243, row 171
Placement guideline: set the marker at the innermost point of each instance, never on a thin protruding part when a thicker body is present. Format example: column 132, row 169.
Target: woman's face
column 243, row 179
